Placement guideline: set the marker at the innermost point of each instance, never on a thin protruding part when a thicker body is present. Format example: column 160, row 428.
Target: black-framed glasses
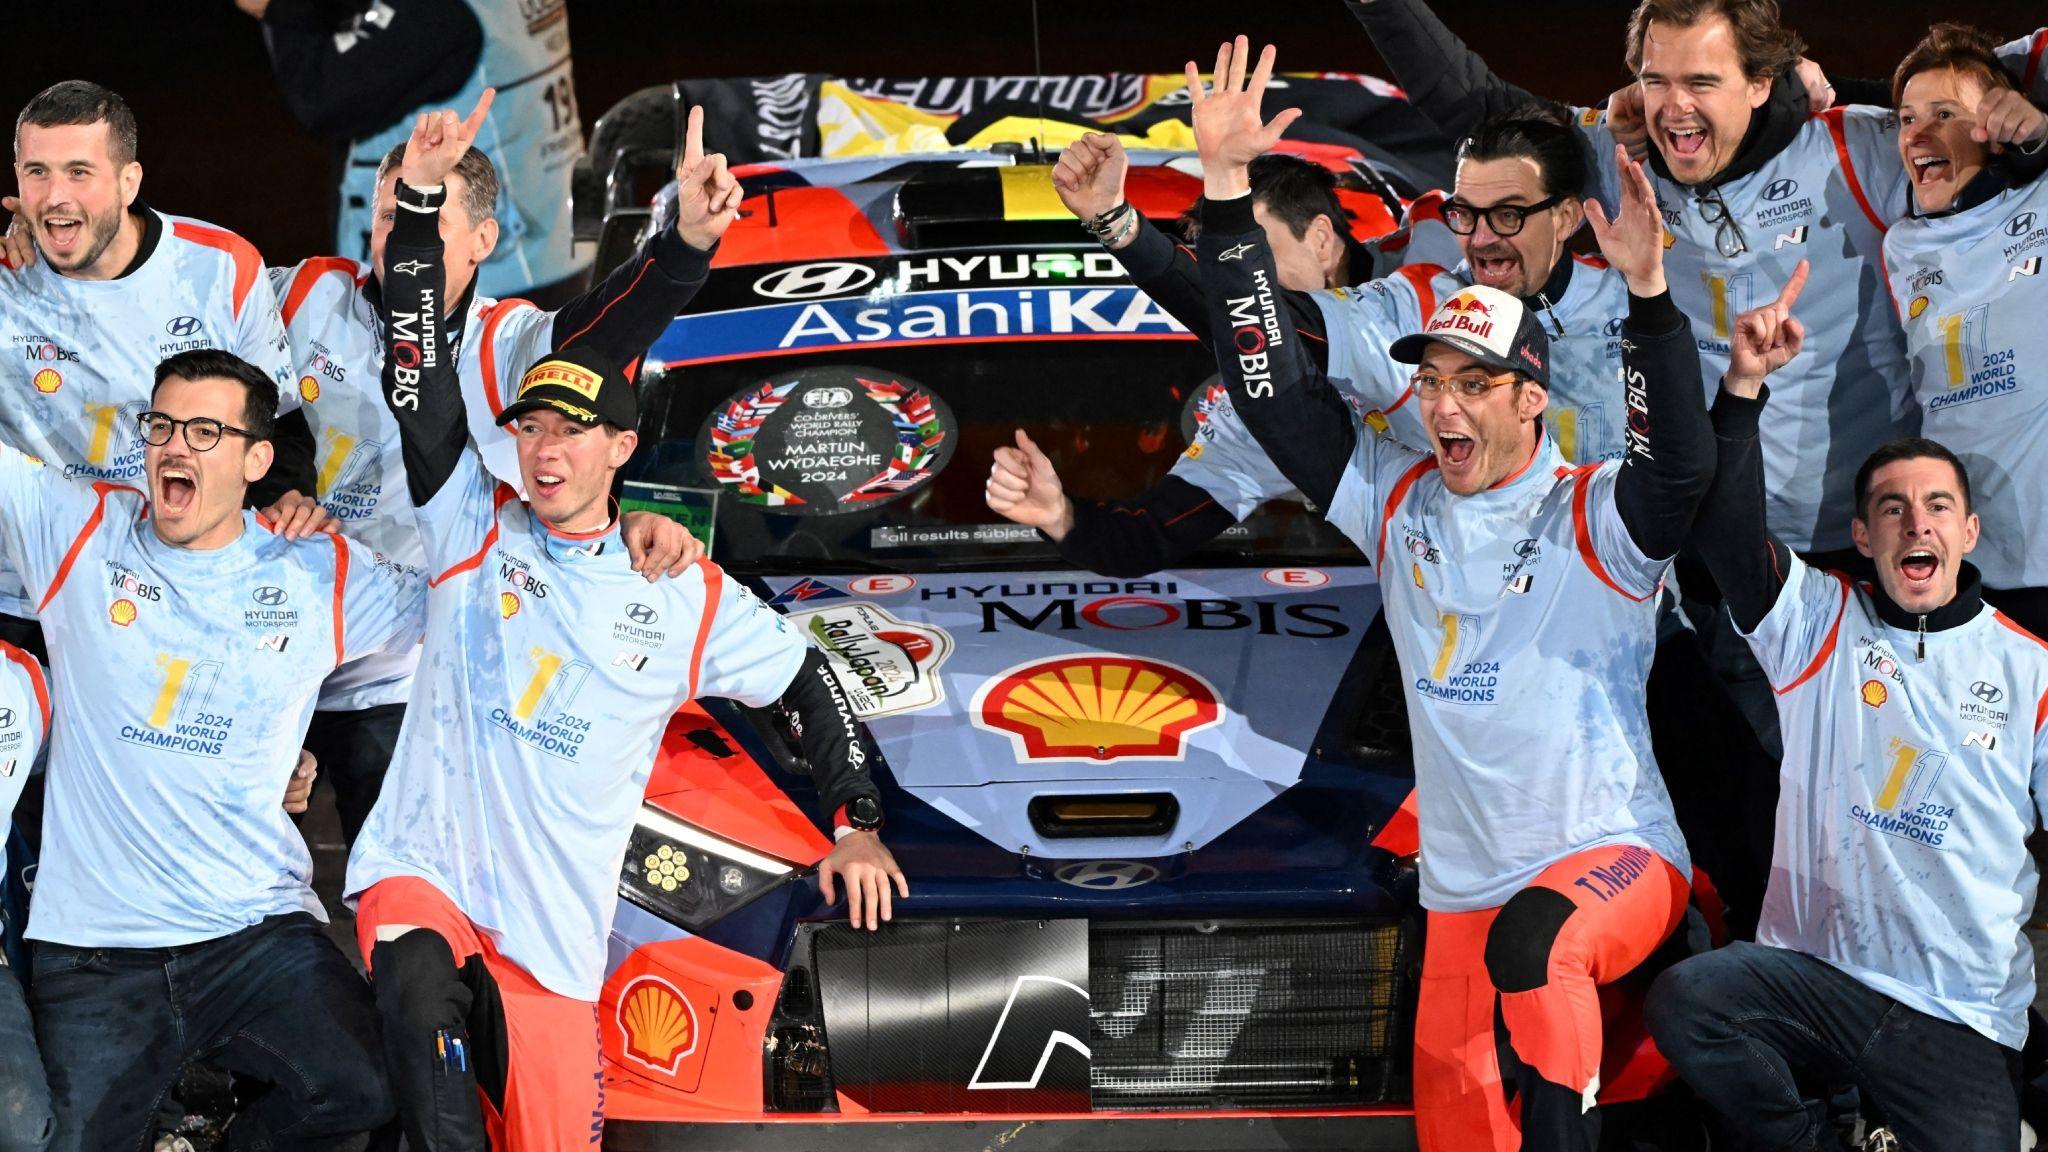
column 1429, row 385
column 201, row 432
column 1503, row 219
column 1728, row 238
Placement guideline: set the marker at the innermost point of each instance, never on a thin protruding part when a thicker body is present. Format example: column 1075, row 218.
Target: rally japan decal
column 886, row 665
column 820, row 441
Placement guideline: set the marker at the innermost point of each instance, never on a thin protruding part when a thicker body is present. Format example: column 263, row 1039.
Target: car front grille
column 1249, row 1014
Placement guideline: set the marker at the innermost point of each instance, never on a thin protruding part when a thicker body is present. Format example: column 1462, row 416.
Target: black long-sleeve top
column 1303, row 423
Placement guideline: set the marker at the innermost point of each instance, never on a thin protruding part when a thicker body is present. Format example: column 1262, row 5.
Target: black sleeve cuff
column 677, row 259
column 1231, row 217
column 1737, row 417
column 1149, row 254
column 413, row 229
column 1654, row 315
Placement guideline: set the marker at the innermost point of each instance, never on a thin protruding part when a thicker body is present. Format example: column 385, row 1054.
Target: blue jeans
column 1758, row 1031
column 25, row 1120
column 275, row 1002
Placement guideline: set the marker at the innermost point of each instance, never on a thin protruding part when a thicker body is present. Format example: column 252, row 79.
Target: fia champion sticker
column 825, row 441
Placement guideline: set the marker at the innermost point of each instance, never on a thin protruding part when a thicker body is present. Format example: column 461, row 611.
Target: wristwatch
column 860, row 814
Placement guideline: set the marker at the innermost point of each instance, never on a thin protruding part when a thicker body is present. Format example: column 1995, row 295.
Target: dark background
column 218, row 144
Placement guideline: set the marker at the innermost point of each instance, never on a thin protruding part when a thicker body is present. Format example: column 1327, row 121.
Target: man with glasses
column 1524, row 615
column 173, row 920
column 1516, row 205
column 102, row 287
column 1750, row 185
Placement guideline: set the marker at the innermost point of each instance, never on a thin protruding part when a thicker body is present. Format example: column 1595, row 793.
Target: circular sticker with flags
column 823, row 441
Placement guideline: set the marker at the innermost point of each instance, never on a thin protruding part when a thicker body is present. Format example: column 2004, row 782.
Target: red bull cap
column 1488, row 325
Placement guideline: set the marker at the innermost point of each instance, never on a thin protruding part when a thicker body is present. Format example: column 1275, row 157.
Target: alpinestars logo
column 1026, row 1037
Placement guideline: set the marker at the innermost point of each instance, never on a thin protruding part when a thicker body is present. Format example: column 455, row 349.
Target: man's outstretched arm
column 1158, row 528
column 630, row 308
column 1445, row 80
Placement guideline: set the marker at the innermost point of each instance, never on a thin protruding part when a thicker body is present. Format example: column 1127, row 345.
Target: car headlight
column 689, row 877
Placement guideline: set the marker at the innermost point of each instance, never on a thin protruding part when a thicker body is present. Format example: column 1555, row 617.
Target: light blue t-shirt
column 184, row 681
column 1525, row 619
column 550, row 671
column 1908, row 789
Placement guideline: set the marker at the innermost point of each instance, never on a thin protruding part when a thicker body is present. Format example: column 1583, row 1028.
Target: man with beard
column 110, row 287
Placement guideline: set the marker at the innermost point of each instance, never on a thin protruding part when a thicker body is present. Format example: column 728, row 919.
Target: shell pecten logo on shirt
column 1097, row 708
column 309, row 389
column 508, row 604
column 47, row 380
column 1874, row 693
column 122, row 612
column 659, row 1025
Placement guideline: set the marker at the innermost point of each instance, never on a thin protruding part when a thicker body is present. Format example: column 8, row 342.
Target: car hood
column 986, row 692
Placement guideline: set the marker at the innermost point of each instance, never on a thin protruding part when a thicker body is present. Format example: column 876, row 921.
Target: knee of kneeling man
column 415, row 979
column 1679, row 996
column 1523, row 939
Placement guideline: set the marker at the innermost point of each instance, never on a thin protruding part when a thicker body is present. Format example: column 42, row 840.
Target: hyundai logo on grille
column 183, row 326
column 2020, row 225
column 1987, row 692
column 270, row 596
column 640, row 614
column 1780, row 190
column 809, row 281
column 1107, row 875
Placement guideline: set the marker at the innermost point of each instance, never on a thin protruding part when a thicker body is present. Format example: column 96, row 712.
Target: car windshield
column 854, row 459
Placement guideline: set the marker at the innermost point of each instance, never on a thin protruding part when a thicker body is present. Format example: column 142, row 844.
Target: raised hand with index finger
column 1765, row 339
column 1229, row 130
column 439, row 141
column 708, row 195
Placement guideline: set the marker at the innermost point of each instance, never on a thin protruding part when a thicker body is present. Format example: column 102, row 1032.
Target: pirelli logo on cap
column 575, row 378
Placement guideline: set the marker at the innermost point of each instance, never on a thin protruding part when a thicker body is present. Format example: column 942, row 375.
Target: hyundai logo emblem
column 1987, row 692
column 183, row 326
column 1614, row 326
column 2020, row 225
column 270, row 596
column 810, row 281
column 6, row 717
column 1778, row 190
column 640, row 614
column 1107, row 875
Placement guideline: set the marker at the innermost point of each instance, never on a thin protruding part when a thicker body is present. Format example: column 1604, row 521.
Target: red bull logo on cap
column 1468, row 305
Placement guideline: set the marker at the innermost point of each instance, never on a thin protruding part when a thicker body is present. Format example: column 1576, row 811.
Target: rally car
column 1138, row 816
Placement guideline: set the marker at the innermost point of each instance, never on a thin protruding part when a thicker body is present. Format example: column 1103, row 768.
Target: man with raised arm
column 488, row 873
column 1524, row 620
column 330, row 313
column 1891, row 953
column 1514, row 209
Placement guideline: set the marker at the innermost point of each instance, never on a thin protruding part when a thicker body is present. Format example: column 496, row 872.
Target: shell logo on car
column 1098, row 708
column 659, row 1025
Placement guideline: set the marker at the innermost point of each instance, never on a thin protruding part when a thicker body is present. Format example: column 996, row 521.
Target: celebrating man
column 1525, row 622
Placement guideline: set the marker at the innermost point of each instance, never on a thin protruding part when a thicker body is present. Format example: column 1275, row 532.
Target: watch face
column 865, row 813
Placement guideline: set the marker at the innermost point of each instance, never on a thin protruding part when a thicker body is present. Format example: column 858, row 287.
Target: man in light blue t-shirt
column 1890, row 952
column 188, row 638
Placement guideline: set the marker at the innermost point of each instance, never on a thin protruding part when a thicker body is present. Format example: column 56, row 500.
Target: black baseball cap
column 1488, row 325
column 580, row 383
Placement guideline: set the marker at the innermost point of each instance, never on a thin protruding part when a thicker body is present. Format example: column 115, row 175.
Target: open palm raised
column 1229, row 131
